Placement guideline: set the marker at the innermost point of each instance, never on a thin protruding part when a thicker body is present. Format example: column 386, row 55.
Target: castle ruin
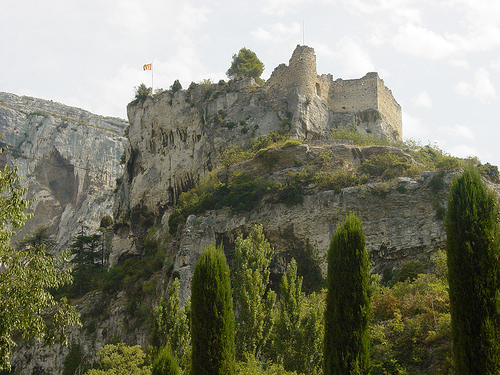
column 365, row 103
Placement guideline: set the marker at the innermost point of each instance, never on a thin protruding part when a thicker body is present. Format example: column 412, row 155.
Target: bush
column 409, row 271
column 291, row 143
column 165, row 363
column 176, row 86
column 142, row 92
column 388, row 166
column 350, row 133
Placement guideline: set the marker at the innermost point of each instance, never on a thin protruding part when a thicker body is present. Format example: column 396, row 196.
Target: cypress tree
column 212, row 316
column 346, row 345
column 473, row 274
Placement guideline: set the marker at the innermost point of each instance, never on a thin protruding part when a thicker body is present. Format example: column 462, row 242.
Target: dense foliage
column 212, row 316
column 27, row 275
column 253, row 301
column 347, row 340
column 165, row 363
column 474, row 275
column 246, row 64
column 121, row 359
column 172, row 326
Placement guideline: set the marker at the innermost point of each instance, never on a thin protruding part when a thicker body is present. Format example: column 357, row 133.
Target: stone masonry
column 365, row 103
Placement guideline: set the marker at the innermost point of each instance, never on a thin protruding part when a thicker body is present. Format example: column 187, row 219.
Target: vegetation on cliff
column 246, row 64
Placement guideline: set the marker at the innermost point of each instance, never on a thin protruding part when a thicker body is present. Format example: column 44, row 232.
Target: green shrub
column 165, row 363
column 409, row 271
column 74, row 361
column 290, row 194
column 490, row 172
column 388, row 166
column 350, row 133
column 437, row 182
column 142, row 92
column 243, row 192
column 176, row 86
column 291, row 143
column 235, row 155
column 338, row 179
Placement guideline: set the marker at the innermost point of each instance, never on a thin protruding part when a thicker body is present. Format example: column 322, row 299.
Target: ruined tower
column 365, row 103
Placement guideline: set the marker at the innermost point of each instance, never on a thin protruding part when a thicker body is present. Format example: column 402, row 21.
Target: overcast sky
column 441, row 59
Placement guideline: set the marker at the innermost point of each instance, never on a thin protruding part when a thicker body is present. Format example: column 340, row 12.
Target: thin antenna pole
column 303, row 33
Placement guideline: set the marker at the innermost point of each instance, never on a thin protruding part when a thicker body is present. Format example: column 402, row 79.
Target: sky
column 440, row 58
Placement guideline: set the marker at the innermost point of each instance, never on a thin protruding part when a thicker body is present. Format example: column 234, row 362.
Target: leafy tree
column 165, row 363
column 172, row 325
column 253, row 366
column 142, row 92
column 298, row 332
column 474, row 275
column 176, row 86
column 246, row 64
column 121, row 359
column 212, row 316
column 346, row 347
column 26, row 275
column 253, row 301
column 288, row 320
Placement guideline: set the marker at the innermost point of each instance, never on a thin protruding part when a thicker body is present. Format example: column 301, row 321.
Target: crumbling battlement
column 365, row 102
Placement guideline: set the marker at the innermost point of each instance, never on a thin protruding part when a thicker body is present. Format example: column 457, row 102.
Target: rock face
column 401, row 219
column 176, row 138
column 68, row 159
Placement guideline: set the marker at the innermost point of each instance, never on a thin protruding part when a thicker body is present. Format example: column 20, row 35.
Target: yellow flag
column 147, row 66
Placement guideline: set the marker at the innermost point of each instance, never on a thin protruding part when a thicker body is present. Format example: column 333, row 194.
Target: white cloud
column 422, row 100
column 480, row 88
column 419, row 41
column 280, row 7
column 462, row 151
column 277, row 33
column 495, row 64
column 352, row 59
column 457, row 131
column 413, row 127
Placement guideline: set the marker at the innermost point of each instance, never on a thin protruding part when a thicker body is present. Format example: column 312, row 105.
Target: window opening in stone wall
column 318, row 89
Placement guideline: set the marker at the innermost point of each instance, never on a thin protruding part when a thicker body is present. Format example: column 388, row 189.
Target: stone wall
column 354, row 95
column 388, row 107
column 348, row 100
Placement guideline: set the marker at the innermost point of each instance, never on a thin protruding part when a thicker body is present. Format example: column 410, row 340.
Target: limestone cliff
column 68, row 159
column 175, row 140
column 177, row 137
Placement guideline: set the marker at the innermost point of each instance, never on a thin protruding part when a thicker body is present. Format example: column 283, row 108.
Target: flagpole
column 152, row 86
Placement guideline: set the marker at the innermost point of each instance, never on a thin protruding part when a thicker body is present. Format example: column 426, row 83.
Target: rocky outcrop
column 68, row 159
column 402, row 219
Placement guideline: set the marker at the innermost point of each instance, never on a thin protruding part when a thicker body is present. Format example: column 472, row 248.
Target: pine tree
column 246, row 64
column 212, row 317
column 346, row 345
column 473, row 274
column 254, row 303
